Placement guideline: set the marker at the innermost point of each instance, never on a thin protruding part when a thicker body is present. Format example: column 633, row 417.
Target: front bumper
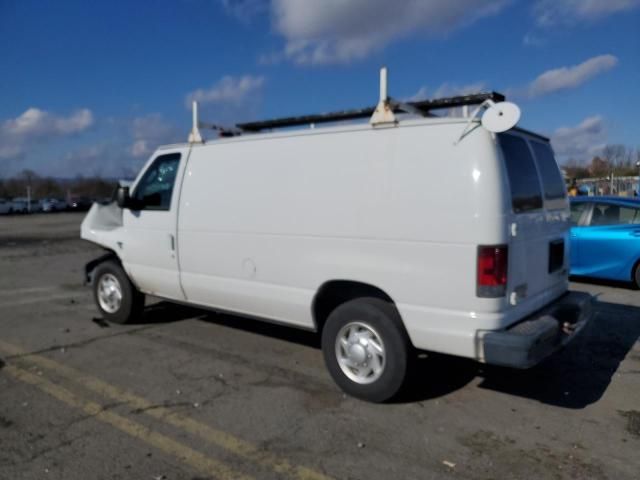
column 536, row 337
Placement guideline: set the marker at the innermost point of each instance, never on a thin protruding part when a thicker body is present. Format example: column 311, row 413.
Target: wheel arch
column 89, row 267
column 333, row 293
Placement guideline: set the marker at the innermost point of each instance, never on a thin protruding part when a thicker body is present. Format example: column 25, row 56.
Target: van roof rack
column 381, row 115
column 423, row 106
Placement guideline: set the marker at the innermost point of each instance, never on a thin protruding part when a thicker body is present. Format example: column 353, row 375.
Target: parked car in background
column 605, row 238
column 80, row 204
column 19, row 205
column 35, row 206
column 52, row 205
column 5, row 206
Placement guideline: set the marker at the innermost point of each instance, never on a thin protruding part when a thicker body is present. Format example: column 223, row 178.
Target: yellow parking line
column 212, row 435
column 192, row 457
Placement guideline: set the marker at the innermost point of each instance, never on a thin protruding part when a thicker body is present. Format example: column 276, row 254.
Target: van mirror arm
column 496, row 118
column 465, row 131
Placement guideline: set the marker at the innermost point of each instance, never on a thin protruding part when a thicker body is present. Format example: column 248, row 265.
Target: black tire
column 132, row 301
column 383, row 318
column 636, row 276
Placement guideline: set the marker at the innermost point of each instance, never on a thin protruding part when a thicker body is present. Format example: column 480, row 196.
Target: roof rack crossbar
column 424, row 106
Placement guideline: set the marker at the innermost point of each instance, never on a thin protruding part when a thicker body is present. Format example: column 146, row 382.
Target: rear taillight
column 492, row 271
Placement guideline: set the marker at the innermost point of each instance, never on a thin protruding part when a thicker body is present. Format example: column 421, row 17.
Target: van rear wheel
column 116, row 297
column 366, row 349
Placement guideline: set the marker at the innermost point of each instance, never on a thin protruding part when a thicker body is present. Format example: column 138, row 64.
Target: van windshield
column 522, row 173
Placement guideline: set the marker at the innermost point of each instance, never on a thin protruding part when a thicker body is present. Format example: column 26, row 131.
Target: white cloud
column 582, row 141
column 245, row 10
column 533, row 40
column 140, row 148
column 565, row 78
column 451, row 90
column 149, row 132
column 335, row 31
column 229, row 90
column 36, row 122
column 101, row 160
column 446, row 90
column 557, row 12
column 36, row 126
column 421, row 94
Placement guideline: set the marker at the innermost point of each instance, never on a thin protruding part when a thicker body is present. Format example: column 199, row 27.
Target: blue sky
column 92, row 87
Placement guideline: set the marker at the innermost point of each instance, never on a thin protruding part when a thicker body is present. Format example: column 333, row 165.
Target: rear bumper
column 536, row 337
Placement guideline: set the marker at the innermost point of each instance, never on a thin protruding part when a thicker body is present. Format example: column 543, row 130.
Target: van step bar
column 424, row 106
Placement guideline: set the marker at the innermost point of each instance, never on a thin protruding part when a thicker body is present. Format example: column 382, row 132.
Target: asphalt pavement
column 191, row 394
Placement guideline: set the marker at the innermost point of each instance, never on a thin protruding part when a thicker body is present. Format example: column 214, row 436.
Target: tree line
column 50, row 187
column 616, row 160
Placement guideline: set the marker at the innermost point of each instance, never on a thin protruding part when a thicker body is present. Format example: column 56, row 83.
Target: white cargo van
column 403, row 233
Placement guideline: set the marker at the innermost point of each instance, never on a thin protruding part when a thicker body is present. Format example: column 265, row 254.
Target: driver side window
column 155, row 188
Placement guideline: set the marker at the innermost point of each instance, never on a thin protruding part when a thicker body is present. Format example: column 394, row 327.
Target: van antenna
column 194, row 135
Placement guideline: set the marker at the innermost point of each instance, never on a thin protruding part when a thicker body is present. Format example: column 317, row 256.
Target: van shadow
column 580, row 374
column 265, row 328
column 165, row 312
column 572, row 378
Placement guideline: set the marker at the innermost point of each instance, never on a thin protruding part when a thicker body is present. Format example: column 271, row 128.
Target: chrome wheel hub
column 109, row 293
column 360, row 352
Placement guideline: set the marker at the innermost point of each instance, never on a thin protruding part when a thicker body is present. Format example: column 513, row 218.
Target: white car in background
column 52, row 205
column 5, row 206
column 19, row 205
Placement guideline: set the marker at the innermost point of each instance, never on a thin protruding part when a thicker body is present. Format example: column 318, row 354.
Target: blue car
column 605, row 238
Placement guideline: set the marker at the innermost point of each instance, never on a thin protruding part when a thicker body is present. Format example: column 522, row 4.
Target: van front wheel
column 116, row 297
column 366, row 348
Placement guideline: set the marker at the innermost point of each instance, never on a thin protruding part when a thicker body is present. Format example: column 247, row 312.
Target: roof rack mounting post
column 383, row 114
column 194, row 135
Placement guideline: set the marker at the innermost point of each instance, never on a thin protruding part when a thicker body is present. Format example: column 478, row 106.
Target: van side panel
column 265, row 221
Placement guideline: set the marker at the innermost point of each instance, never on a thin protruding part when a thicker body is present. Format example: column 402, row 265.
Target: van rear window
column 552, row 182
column 522, row 173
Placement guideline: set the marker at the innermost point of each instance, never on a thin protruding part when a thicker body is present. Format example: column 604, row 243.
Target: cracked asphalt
column 191, row 394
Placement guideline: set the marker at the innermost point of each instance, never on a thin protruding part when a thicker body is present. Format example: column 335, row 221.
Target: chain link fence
column 621, row 186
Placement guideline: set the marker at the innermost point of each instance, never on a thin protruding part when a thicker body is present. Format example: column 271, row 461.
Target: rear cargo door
column 538, row 221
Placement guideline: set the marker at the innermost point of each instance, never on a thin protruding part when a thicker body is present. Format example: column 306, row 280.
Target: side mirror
column 122, row 197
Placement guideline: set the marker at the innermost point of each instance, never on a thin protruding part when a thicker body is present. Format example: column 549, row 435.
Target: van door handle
column 172, row 242
column 635, row 233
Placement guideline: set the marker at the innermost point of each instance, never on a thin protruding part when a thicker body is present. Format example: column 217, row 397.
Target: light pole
column 638, row 185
